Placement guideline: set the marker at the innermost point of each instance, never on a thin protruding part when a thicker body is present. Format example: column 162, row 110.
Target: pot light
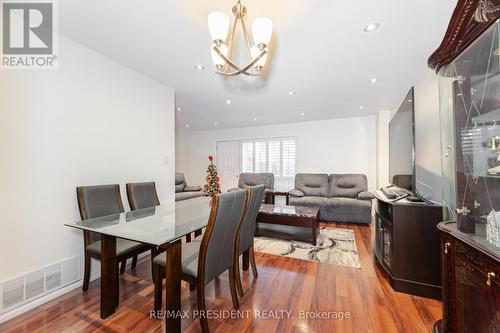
column 373, row 80
column 215, row 123
column 228, row 101
column 255, row 118
column 291, row 93
column 302, row 114
column 179, row 109
column 371, row 27
column 187, row 125
column 361, row 107
column 199, row 67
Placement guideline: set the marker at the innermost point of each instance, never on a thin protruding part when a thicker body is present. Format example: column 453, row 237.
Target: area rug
column 334, row 246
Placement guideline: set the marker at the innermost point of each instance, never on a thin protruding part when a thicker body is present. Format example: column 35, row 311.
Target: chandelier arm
column 246, row 38
column 253, row 62
column 231, row 39
column 229, row 62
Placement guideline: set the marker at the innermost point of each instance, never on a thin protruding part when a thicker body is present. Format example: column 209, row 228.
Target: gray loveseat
column 253, row 179
column 183, row 191
column 340, row 197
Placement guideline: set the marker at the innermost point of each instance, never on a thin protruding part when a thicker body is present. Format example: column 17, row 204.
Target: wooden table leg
column 315, row 231
column 173, row 287
column 109, row 276
column 246, row 260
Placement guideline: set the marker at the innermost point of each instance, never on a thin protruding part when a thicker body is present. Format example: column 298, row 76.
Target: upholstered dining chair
column 245, row 236
column 98, row 201
column 142, row 195
column 204, row 261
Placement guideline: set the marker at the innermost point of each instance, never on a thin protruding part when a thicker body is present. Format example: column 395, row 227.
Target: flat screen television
column 402, row 145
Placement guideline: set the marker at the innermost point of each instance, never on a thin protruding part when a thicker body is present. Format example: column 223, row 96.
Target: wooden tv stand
column 407, row 245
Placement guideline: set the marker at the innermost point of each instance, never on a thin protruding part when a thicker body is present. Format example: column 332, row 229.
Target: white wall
column 427, row 137
column 382, row 125
column 345, row 145
column 182, row 151
column 91, row 121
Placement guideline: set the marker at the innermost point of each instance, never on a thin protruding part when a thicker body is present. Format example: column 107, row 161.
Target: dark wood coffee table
column 288, row 222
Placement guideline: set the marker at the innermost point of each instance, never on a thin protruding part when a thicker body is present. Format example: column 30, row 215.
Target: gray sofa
column 183, row 191
column 253, row 179
column 340, row 197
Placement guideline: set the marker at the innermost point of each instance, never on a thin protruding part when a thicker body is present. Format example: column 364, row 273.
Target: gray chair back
column 247, row 229
column 180, row 182
column 217, row 245
column 347, row 185
column 312, row 184
column 98, row 201
column 142, row 195
column 247, row 180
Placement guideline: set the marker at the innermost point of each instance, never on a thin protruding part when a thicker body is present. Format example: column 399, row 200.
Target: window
column 276, row 156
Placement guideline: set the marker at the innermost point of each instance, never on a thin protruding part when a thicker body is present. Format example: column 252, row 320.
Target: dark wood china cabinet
column 468, row 65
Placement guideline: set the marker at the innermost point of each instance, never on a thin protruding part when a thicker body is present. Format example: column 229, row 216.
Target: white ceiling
column 318, row 50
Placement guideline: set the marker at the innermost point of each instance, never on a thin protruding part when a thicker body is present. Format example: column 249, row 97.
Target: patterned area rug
column 334, row 246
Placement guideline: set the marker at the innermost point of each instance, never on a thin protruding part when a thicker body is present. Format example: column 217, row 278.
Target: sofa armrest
column 296, row 193
column 192, row 188
column 234, row 189
column 365, row 196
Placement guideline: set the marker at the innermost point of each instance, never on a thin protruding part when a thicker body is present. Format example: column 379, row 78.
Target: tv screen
column 402, row 145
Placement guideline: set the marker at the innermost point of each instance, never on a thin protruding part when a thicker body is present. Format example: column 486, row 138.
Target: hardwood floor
column 283, row 284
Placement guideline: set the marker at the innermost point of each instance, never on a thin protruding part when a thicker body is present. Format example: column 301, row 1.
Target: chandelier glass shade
column 223, row 39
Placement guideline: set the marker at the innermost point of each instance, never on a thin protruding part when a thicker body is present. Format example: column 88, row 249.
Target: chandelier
column 218, row 26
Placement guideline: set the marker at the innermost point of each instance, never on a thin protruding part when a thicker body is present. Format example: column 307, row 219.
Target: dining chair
column 98, row 201
column 142, row 195
column 204, row 261
column 245, row 236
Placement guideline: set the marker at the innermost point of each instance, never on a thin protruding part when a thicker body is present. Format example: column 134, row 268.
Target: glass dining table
column 162, row 227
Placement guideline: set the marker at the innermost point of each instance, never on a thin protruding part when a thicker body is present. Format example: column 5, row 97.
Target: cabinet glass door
column 387, row 244
column 470, row 99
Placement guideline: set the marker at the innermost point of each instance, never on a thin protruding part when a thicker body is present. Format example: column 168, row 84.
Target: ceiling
column 319, row 50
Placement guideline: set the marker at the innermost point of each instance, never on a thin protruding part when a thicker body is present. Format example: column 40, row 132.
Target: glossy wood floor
column 282, row 284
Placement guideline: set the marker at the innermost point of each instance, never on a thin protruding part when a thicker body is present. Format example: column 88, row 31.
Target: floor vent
column 28, row 287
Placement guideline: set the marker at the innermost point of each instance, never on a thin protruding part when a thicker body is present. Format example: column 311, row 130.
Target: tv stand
column 407, row 245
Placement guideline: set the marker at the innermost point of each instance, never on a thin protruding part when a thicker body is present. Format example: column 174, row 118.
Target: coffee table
column 288, row 222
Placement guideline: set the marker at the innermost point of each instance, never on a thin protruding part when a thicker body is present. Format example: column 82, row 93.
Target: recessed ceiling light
column 228, row 101
column 187, row 125
column 361, row 107
column 179, row 109
column 302, row 114
column 373, row 80
column 291, row 93
column 371, row 27
column 255, row 118
column 215, row 123
column 199, row 67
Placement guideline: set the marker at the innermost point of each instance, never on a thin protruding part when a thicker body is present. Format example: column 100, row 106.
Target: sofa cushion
column 349, row 210
column 187, row 195
column 253, row 179
column 308, row 201
column 180, row 182
column 296, row 193
column 365, row 195
column 347, row 186
column 192, row 188
column 311, row 184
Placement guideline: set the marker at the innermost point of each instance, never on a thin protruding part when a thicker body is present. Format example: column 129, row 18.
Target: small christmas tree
column 212, row 187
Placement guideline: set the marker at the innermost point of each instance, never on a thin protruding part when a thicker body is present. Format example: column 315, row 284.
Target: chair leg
column 237, row 276
column 158, row 285
column 253, row 263
column 232, row 287
column 201, row 307
column 86, row 273
column 134, row 261
column 245, row 260
column 122, row 266
column 188, row 238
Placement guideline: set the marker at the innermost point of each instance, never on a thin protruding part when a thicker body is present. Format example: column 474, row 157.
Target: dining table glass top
column 156, row 226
